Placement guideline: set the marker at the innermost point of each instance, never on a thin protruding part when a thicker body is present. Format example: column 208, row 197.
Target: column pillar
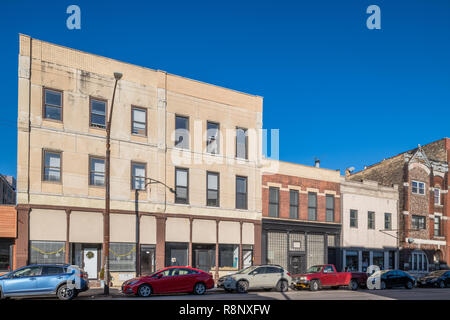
column 67, row 249
column 191, row 221
column 257, row 245
column 241, row 258
column 216, row 274
column 23, row 237
column 160, row 242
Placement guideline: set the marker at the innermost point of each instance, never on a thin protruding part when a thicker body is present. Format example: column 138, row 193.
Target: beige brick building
column 214, row 220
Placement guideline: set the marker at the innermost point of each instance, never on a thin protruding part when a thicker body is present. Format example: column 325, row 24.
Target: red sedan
column 170, row 280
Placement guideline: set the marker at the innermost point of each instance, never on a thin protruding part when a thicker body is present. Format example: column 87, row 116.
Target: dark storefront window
column 5, row 255
column 378, row 259
column 312, row 206
column 229, row 255
column 47, row 252
column 365, row 260
column 204, row 256
column 122, row 256
column 351, row 260
column 293, row 204
column 177, row 254
column 391, row 264
column 277, row 248
column 274, row 199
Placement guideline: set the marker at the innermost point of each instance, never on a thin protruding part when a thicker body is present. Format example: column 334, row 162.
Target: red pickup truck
column 325, row 276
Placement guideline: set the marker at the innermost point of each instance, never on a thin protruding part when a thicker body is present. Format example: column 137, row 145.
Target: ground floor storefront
column 139, row 243
column 420, row 260
column 359, row 259
column 8, row 233
column 297, row 246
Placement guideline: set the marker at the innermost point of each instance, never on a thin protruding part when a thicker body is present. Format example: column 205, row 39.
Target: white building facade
column 369, row 225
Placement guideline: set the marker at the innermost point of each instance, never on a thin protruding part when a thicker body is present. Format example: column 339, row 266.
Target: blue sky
column 335, row 90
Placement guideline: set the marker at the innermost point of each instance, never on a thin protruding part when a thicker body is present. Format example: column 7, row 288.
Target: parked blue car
column 64, row 281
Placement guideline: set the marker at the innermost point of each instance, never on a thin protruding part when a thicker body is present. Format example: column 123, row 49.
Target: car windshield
column 314, row 269
column 246, row 270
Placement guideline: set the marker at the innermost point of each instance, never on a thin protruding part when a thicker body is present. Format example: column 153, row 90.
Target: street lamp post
column 117, row 77
column 136, row 207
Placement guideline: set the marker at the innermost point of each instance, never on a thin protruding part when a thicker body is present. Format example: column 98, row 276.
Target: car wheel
column 315, row 285
column 144, row 291
column 199, row 288
column 441, row 284
column 383, row 285
column 409, row 285
column 353, row 285
column 282, row 286
column 65, row 293
column 242, row 286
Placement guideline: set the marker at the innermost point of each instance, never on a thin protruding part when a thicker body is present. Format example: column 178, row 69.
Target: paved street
column 343, row 294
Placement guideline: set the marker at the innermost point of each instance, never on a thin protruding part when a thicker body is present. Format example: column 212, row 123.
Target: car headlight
column 303, row 278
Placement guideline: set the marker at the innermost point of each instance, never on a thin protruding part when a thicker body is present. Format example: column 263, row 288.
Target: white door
column 90, row 262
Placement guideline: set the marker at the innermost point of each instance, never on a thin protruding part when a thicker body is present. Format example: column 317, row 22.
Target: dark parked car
column 64, row 281
column 439, row 278
column 393, row 278
column 170, row 280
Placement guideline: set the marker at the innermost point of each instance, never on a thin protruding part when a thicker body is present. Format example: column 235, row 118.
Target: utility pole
column 106, row 227
column 148, row 181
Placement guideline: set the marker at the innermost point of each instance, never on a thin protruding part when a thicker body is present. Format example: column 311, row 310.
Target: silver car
column 257, row 277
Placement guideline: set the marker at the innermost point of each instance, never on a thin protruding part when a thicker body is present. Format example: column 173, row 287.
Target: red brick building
column 422, row 174
column 301, row 223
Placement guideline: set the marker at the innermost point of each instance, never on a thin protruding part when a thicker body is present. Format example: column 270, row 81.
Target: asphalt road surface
column 342, row 294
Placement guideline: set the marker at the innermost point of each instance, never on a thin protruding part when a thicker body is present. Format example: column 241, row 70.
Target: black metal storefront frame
column 307, row 228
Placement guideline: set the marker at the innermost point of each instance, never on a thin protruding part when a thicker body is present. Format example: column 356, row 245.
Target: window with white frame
column 418, row 187
column 437, row 196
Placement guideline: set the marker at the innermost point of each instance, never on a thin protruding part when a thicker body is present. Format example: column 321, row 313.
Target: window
column 353, row 218
column 241, row 192
column 241, row 143
column 52, row 166
column 330, row 208
column 139, row 121
column 328, row 269
column 51, row 270
column 181, row 185
column 387, row 221
column 247, row 255
column 122, row 257
column 274, row 199
column 96, row 171
column 212, row 138
column 6, row 251
column 312, row 206
column 437, row 226
column 437, row 196
column 176, row 254
column 370, row 220
column 418, row 261
column 417, row 222
column 378, row 259
column 53, row 104
column 351, row 261
column 47, row 252
column 273, row 270
column 418, row 187
column 138, row 175
column 182, row 132
column 212, row 192
column 293, row 204
column 98, row 113
column 228, row 255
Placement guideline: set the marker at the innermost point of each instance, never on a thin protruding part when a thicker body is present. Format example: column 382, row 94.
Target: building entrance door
column 90, row 262
column 147, row 260
column 296, row 264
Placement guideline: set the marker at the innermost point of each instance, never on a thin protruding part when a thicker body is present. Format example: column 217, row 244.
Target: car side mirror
column 159, row 276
